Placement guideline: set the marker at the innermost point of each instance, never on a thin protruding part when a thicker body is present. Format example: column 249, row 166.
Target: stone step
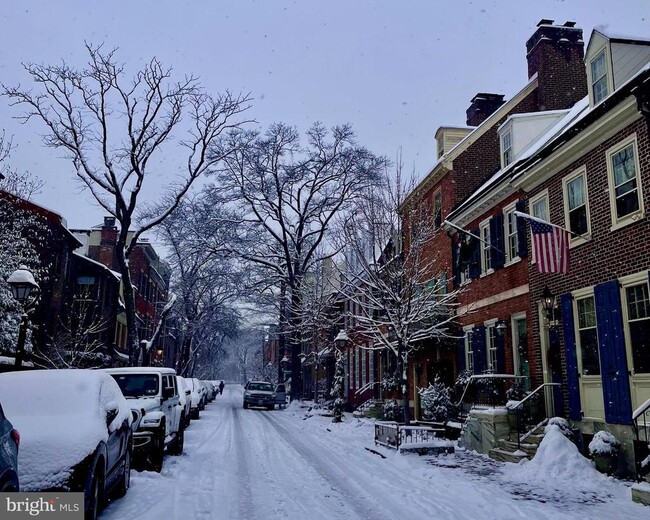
column 641, row 493
column 528, row 449
column 506, row 456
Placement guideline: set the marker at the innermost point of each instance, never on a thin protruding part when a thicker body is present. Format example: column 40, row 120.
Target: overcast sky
column 395, row 70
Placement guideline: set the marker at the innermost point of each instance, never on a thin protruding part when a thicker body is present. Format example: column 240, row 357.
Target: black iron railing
column 641, row 418
column 529, row 412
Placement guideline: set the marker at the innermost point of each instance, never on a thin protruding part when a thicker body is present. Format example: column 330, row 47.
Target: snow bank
column 558, row 461
column 61, row 418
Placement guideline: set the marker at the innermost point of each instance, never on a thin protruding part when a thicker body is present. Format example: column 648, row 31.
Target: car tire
column 176, row 447
column 195, row 413
column 157, row 453
column 125, row 482
column 10, row 485
column 93, row 494
column 270, row 407
column 245, row 405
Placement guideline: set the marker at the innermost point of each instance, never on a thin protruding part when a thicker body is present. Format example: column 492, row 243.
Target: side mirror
column 112, row 410
column 168, row 392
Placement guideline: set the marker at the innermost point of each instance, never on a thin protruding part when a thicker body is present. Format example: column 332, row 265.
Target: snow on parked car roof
column 61, row 417
column 140, row 370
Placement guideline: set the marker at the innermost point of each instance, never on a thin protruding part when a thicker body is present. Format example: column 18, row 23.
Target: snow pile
column 603, row 442
column 559, row 462
column 61, row 418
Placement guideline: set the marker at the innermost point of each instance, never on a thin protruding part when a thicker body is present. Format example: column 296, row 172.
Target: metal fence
column 394, row 435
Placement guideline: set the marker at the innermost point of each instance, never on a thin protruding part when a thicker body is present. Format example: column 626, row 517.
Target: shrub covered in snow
column 391, row 411
column 604, row 443
column 561, row 424
column 337, row 388
column 436, row 401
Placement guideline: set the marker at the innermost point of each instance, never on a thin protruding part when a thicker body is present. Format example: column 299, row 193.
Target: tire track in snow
column 245, row 506
column 352, row 492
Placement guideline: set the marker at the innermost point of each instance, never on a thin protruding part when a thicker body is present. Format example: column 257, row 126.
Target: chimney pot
column 569, row 24
column 109, row 221
column 545, row 21
column 482, row 106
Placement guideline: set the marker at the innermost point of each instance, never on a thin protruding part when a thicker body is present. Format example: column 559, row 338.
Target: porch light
column 548, row 303
column 501, row 328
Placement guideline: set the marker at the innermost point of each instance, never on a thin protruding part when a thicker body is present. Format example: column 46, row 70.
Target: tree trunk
column 403, row 361
column 294, row 320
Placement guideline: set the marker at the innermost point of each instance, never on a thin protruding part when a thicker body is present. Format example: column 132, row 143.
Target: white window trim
column 483, row 246
column 468, row 344
column 608, row 73
column 532, row 201
column 625, row 282
column 585, row 292
column 506, row 233
column 506, row 131
column 514, row 318
column 574, row 240
column 490, row 324
column 618, row 223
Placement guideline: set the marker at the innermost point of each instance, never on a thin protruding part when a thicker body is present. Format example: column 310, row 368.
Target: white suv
column 153, row 392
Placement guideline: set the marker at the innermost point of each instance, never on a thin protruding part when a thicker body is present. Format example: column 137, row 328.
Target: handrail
column 531, row 394
column 485, row 376
column 639, row 460
column 641, row 410
column 518, row 405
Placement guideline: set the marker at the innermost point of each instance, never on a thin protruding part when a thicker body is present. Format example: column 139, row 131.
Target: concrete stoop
column 506, row 456
column 509, row 451
column 373, row 410
column 641, row 493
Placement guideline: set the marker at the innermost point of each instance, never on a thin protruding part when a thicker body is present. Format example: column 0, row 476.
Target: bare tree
column 120, row 133
column 398, row 297
column 289, row 195
column 21, row 184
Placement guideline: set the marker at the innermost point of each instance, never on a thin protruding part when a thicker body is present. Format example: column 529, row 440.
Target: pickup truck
column 154, row 393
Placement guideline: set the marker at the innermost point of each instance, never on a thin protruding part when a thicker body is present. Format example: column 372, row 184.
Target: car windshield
column 137, row 385
column 264, row 387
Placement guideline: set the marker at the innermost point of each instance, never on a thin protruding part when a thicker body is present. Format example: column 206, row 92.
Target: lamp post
column 23, row 286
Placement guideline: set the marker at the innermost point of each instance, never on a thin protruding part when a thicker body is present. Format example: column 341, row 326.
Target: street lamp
column 22, row 285
column 341, row 339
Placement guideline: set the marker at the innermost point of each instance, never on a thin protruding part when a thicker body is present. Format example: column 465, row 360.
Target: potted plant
column 604, row 449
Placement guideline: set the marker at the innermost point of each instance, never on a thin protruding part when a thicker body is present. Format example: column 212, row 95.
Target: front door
column 637, row 330
column 591, row 384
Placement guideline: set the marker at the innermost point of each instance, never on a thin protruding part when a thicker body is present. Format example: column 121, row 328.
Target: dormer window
column 599, row 77
column 441, row 146
column 506, row 149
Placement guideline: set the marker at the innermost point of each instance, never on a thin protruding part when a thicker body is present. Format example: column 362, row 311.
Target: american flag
column 551, row 245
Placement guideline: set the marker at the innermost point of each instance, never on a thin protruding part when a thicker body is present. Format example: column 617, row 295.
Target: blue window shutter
column 475, row 260
column 461, row 354
column 573, row 384
column 501, row 353
column 498, row 257
column 613, row 358
column 478, row 346
column 522, row 237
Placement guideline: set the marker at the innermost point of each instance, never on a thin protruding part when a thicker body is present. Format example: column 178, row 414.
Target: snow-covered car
column 196, row 397
column 200, row 389
column 154, row 392
column 210, row 391
column 185, row 399
column 9, row 442
column 75, row 432
column 259, row 393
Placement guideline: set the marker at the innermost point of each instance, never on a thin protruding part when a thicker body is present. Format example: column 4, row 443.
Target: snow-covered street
column 289, row 464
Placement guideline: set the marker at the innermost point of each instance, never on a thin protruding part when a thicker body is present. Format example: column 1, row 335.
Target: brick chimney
column 483, row 106
column 556, row 54
column 106, row 251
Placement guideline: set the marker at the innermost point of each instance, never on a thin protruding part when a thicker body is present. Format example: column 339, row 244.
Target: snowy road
column 259, row 464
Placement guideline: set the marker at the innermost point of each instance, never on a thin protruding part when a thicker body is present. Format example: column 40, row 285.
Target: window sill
column 627, row 220
column 575, row 242
column 486, row 273
column 512, row 262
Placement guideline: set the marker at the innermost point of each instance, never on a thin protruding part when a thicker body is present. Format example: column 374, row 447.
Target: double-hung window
column 491, row 347
column 512, row 237
column 506, row 149
column 598, row 67
column 638, row 321
column 469, row 353
column 624, row 182
column 588, row 336
column 576, row 206
column 486, row 253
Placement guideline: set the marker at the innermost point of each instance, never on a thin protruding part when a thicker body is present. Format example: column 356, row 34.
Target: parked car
column 154, row 392
column 9, row 442
column 202, row 392
column 185, row 398
column 75, row 433
column 281, row 395
column 196, row 397
column 211, row 392
column 259, row 393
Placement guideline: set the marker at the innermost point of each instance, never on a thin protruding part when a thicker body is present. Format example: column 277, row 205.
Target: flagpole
column 542, row 221
column 458, row 228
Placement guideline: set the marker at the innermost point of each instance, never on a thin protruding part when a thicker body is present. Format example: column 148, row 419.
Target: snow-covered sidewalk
column 258, row 464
